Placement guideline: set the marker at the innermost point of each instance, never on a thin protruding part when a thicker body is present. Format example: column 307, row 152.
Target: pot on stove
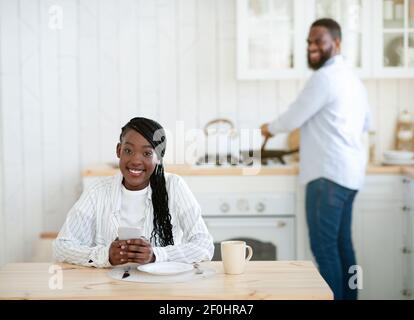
column 221, row 142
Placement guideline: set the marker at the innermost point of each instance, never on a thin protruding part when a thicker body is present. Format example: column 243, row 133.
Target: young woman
column 161, row 205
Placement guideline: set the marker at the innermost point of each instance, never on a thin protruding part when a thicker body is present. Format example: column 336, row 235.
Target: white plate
column 165, row 268
column 398, row 155
column 395, row 162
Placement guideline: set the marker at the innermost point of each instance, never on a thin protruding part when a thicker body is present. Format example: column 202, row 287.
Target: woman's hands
column 133, row 250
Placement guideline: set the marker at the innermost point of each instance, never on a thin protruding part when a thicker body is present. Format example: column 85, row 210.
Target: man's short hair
column 333, row 27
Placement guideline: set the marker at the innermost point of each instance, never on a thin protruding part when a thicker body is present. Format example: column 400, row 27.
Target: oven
column 265, row 221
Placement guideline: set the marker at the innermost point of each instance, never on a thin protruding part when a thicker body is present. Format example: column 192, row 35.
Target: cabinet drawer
column 382, row 187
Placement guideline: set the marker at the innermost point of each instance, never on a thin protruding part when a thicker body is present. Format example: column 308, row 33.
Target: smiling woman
column 141, row 196
column 140, row 151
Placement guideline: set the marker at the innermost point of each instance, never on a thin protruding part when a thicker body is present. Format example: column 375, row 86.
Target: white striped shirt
column 92, row 225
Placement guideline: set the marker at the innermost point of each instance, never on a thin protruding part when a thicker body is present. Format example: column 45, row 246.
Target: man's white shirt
column 92, row 225
column 332, row 112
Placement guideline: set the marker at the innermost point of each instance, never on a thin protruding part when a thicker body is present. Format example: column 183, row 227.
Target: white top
column 92, row 225
column 133, row 206
column 332, row 112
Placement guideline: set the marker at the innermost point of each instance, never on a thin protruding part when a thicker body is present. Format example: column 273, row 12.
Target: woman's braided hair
column 152, row 131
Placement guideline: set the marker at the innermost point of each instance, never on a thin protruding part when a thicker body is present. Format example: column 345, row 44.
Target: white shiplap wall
column 65, row 93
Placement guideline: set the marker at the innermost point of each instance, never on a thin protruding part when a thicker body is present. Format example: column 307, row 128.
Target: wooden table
column 261, row 280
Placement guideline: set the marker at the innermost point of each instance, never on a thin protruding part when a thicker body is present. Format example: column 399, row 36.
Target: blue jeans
column 329, row 217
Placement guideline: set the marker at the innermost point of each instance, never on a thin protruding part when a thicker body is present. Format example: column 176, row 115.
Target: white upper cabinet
column 352, row 15
column 270, row 39
column 377, row 36
column 395, row 42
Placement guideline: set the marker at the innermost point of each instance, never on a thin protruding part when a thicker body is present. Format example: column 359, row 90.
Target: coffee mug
column 233, row 255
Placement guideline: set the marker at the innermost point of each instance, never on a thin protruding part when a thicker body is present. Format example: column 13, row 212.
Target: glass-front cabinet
column 377, row 36
column 268, row 39
column 352, row 15
column 395, row 42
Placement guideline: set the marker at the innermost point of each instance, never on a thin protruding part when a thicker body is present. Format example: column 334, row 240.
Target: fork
column 197, row 268
column 126, row 272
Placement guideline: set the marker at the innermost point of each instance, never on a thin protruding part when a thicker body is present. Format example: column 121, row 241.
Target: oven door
column 272, row 238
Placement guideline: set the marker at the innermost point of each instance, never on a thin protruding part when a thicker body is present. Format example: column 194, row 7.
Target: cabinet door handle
column 406, row 250
column 281, row 224
column 406, row 292
column 405, row 180
column 406, row 208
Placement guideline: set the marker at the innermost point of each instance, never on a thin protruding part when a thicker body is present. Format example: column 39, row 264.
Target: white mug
column 233, row 255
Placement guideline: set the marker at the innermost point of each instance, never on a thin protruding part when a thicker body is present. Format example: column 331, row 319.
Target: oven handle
column 279, row 224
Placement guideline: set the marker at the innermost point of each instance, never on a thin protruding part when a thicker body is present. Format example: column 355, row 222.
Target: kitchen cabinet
column 272, row 35
column 394, row 43
column 270, row 42
column 378, row 229
column 408, row 249
column 353, row 17
column 378, row 36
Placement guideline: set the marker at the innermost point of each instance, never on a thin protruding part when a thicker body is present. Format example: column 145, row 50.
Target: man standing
column 332, row 112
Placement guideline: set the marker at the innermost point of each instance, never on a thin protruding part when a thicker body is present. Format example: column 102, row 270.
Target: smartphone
column 127, row 233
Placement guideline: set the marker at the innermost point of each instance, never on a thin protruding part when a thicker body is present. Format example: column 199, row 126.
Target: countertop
column 290, row 169
column 262, row 280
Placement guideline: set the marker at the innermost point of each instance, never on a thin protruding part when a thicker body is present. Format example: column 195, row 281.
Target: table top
column 261, row 280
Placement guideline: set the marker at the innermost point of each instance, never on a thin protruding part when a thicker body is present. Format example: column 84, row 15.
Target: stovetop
column 234, row 161
column 219, row 160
